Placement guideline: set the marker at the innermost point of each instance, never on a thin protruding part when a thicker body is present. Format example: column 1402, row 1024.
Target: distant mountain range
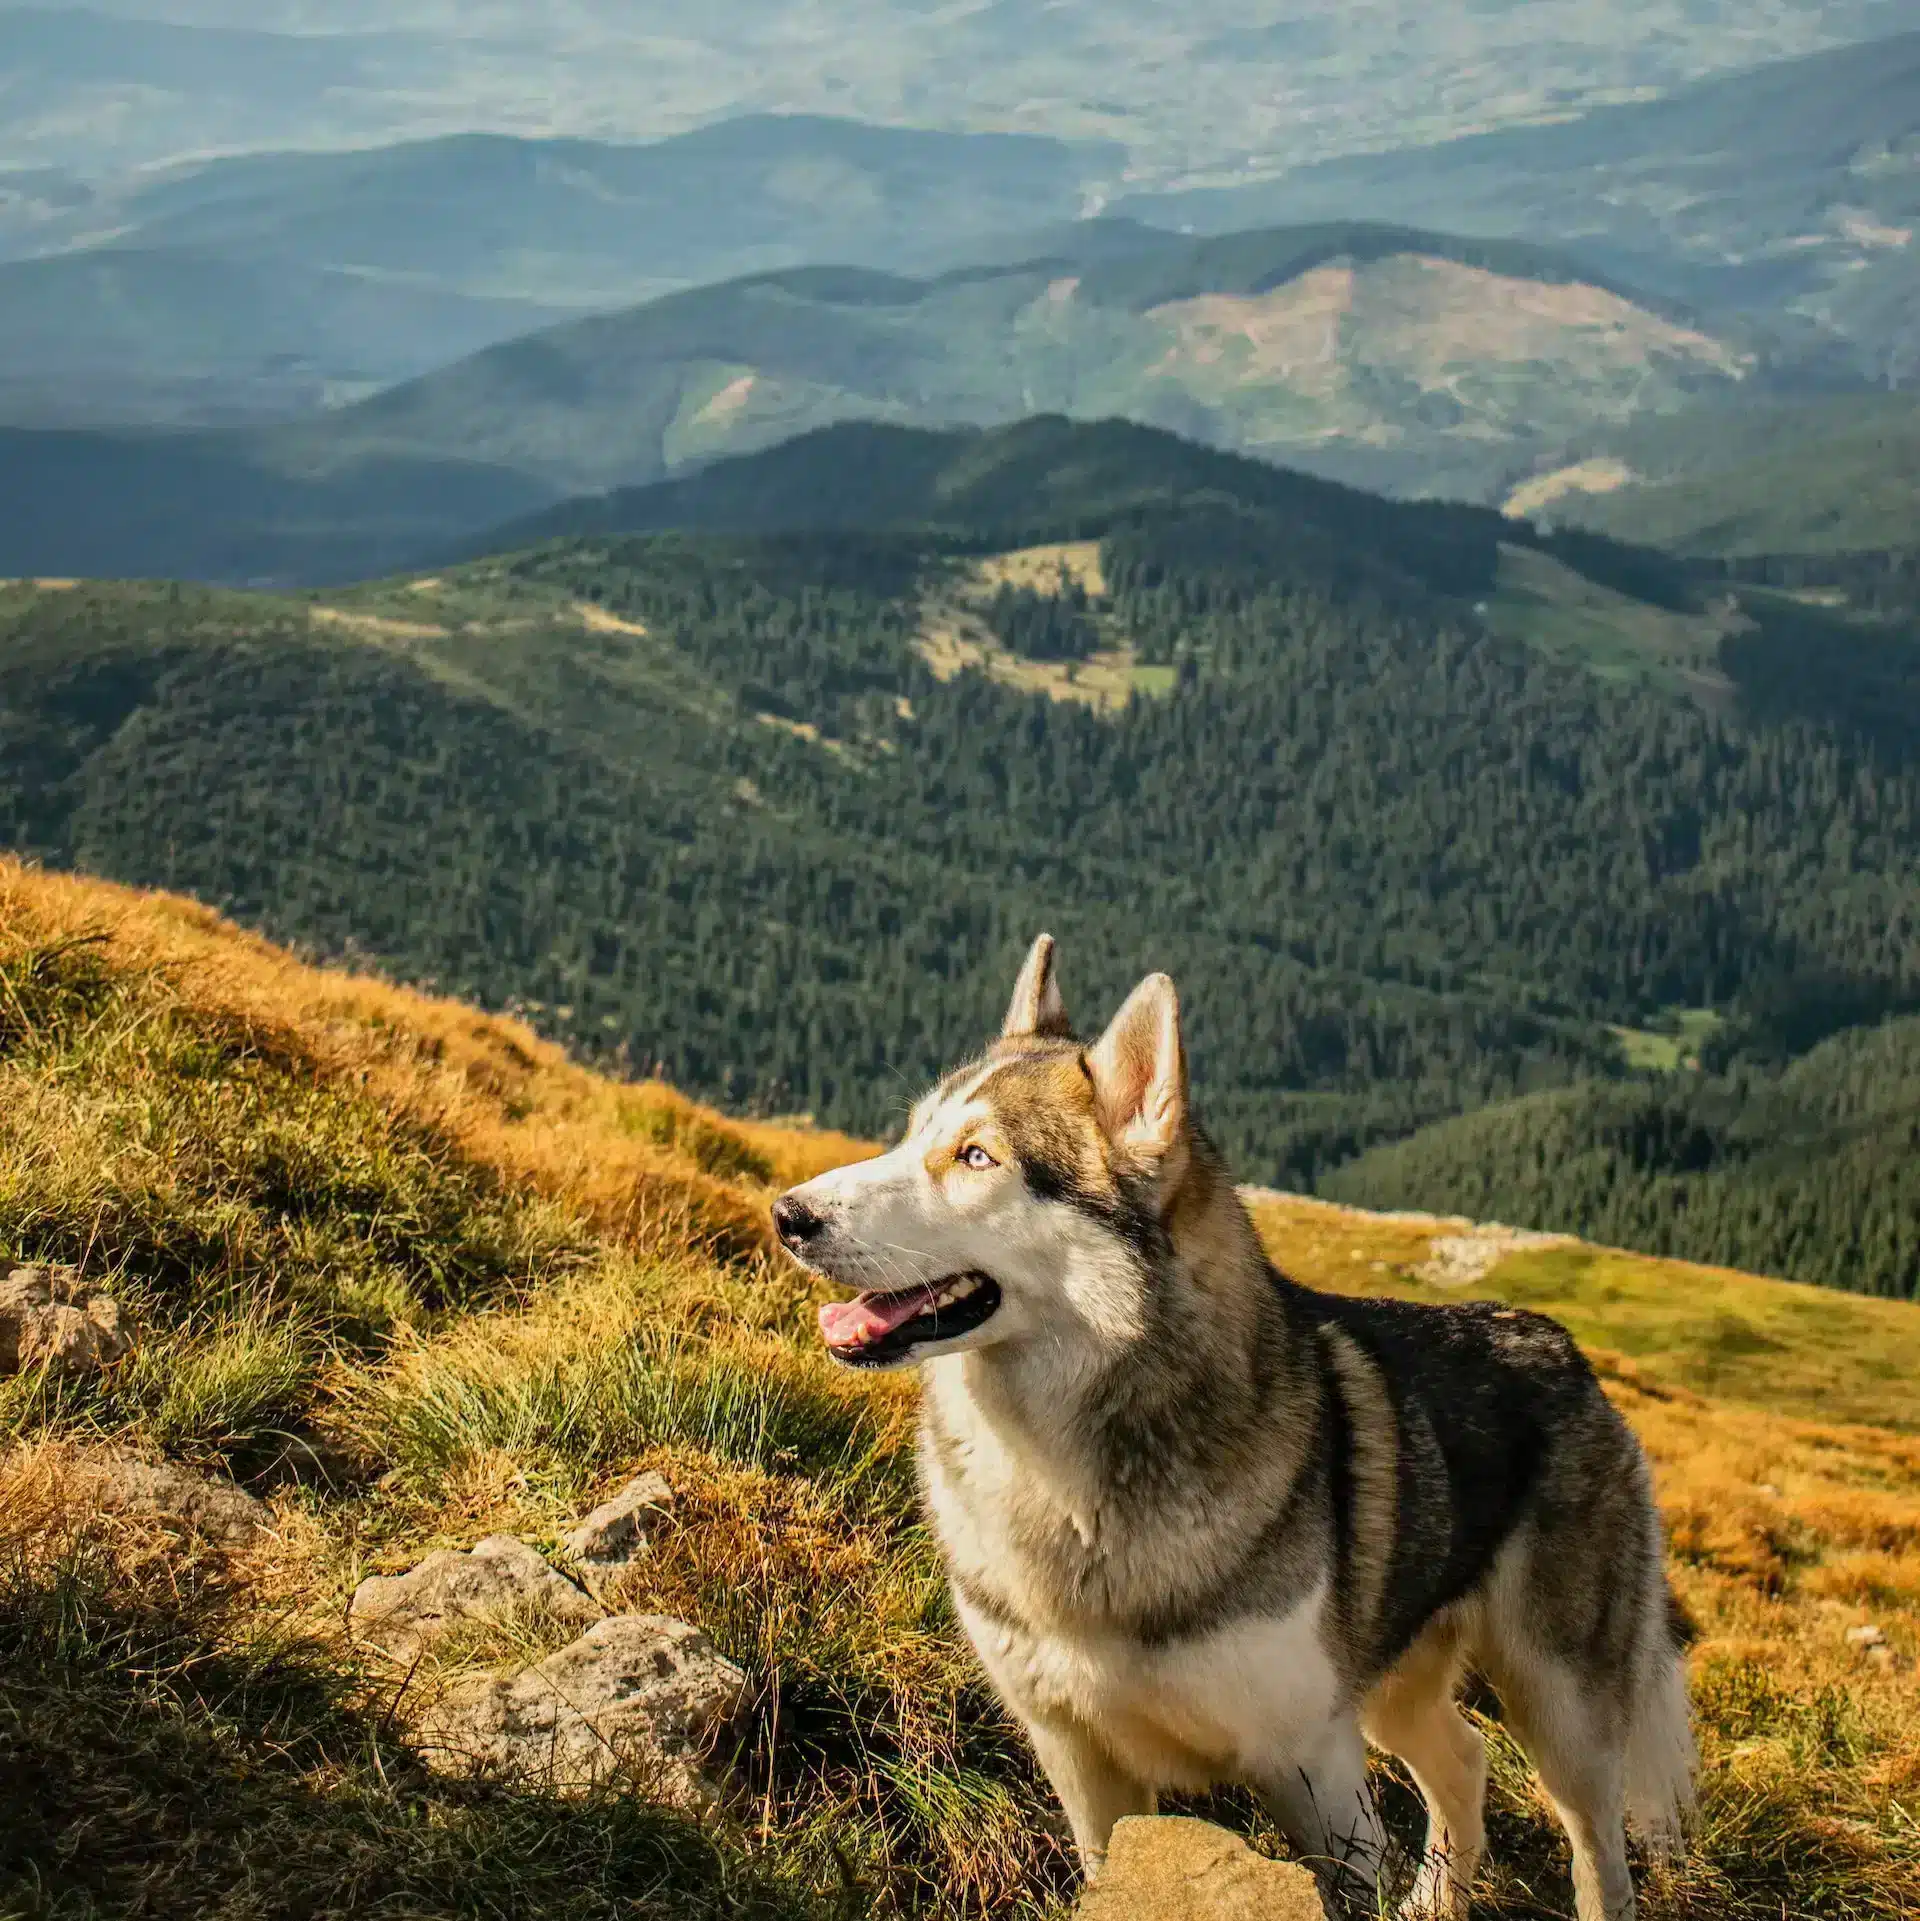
column 1206, row 89
column 283, row 282
column 1382, row 356
column 1790, row 194
column 1410, row 359
column 582, row 223
column 122, row 335
column 401, row 310
column 1772, row 212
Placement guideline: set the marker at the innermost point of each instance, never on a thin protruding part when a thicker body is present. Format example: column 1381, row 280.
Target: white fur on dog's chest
column 1182, row 1714
column 1216, row 1707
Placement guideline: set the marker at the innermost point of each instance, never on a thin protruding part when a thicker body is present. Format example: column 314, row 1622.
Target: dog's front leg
column 1319, row 1794
column 1093, row 1788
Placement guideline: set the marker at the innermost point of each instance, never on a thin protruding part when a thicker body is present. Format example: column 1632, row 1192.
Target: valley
column 1353, row 767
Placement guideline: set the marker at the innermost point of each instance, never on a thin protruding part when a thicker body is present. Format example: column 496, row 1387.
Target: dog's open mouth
column 875, row 1330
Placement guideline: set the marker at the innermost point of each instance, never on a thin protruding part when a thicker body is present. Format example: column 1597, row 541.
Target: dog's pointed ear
column 1036, row 1007
column 1139, row 1070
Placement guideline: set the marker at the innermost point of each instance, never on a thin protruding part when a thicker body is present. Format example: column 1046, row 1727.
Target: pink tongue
column 870, row 1315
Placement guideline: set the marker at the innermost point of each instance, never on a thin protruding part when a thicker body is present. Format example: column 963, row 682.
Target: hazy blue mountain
column 124, row 335
column 1791, row 192
column 587, row 223
column 274, row 283
column 91, row 90
column 1207, row 91
column 224, row 507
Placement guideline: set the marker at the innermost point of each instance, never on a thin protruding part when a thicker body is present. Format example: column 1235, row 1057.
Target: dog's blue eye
column 977, row 1158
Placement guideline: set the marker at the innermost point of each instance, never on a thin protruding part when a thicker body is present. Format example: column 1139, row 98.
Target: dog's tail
column 1660, row 1753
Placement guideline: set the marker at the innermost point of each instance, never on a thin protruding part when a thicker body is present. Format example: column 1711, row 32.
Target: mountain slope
column 1813, row 1164
column 1836, row 475
column 122, row 336
column 218, row 506
column 1388, row 355
column 408, row 1274
column 1790, row 191
column 659, row 785
column 286, row 280
column 583, row 223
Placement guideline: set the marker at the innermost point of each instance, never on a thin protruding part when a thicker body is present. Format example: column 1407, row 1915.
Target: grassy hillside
column 1808, row 1168
column 412, row 1276
column 1835, row 476
column 1358, row 764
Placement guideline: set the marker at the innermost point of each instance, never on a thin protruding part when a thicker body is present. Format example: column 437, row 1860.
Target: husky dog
column 1205, row 1525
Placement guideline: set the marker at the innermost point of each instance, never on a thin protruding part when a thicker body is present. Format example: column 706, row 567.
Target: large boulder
column 50, row 1317
column 1168, row 1869
column 501, row 1580
column 635, row 1698
column 614, row 1536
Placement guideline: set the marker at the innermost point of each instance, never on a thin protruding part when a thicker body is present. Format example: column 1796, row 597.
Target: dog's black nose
column 795, row 1222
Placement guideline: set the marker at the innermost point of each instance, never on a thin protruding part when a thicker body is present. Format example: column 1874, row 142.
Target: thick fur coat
column 1205, row 1525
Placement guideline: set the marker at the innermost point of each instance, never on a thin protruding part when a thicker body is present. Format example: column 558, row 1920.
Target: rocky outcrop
column 104, row 1481
column 403, row 1615
column 614, row 1536
column 50, row 1317
column 1167, row 1869
column 635, row 1698
column 1459, row 1260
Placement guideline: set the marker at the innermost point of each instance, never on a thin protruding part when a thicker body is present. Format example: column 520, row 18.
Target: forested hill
column 1421, row 820
column 1049, row 476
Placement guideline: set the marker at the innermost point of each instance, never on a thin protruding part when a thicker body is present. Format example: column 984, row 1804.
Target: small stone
column 613, row 1537
column 1166, row 1868
column 50, row 1317
column 500, row 1580
column 1459, row 1260
column 1768, row 1489
column 197, row 1503
column 1866, row 1636
column 636, row 1696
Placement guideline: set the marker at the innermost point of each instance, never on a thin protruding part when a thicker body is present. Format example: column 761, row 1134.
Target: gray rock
column 50, row 1317
column 613, row 1537
column 196, row 1503
column 633, row 1698
column 1167, row 1868
column 501, row 1580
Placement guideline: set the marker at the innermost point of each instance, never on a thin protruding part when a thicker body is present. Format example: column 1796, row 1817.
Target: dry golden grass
column 1044, row 568
column 488, row 1084
column 419, row 1278
column 954, row 638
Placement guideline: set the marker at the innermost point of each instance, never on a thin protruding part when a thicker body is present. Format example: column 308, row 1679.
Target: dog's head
column 1027, row 1198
